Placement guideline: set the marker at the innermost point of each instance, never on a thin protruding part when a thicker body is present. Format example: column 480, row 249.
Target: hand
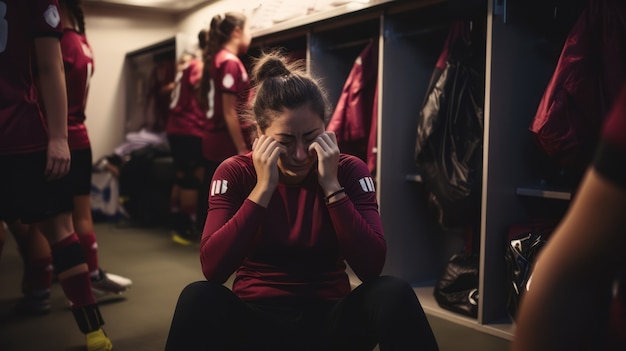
column 265, row 154
column 58, row 159
column 325, row 146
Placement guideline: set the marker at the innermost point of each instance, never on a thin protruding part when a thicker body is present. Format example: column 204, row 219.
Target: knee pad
column 67, row 257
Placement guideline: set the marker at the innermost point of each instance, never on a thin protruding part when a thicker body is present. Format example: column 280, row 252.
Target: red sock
column 37, row 275
column 68, row 254
column 90, row 247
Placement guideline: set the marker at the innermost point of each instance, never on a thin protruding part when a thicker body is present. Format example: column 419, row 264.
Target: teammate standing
column 224, row 91
column 185, row 128
column 34, row 152
column 79, row 67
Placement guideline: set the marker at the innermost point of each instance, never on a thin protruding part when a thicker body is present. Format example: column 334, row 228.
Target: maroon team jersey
column 22, row 127
column 228, row 76
column 185, row 116
column 78, row 61
column 297, row 245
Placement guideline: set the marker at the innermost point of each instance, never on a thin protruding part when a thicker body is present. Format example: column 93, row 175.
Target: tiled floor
column 140, row 319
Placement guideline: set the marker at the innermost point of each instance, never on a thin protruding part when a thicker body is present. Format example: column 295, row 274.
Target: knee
column 199, row 290
column 394, row 286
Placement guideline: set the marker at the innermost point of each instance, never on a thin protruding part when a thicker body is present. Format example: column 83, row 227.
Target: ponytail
column 219, row 34
column 75, row 9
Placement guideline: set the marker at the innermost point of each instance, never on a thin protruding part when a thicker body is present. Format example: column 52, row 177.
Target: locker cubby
column 519, row 60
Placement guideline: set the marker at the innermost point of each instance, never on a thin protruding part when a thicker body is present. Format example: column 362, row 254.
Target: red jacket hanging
column 584, row 85
column 352, row 119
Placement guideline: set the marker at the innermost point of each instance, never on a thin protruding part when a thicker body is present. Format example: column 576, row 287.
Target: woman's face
column 246, row 38
column 296, row 129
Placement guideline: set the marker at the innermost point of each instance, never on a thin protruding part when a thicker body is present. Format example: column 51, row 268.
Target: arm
column 355, row 216
column 229, row 102
column 227, row 237
column 566, row 306
column 233, row 219
column 53, row 92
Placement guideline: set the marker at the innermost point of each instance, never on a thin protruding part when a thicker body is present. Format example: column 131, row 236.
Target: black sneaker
column 34, row 304
column 185, row 237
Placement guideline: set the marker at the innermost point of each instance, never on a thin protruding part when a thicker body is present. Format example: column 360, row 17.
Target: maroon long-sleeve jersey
column 299, row 244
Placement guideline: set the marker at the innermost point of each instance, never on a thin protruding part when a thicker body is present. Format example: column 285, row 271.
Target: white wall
column 192, row 22
column 112, row 33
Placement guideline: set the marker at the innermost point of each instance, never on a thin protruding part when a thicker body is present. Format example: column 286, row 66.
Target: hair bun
column 270, row 66
column 216, row 21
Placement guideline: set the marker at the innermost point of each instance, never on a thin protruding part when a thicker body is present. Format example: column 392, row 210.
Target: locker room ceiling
column 162, row 5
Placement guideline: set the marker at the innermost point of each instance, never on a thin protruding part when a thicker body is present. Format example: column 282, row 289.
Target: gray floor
column 140, row 319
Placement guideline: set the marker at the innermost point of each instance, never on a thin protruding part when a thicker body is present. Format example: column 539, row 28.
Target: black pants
column 382, row 311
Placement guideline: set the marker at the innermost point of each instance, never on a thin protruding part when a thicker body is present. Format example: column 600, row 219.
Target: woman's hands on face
column 325, row 146
column 265, row 154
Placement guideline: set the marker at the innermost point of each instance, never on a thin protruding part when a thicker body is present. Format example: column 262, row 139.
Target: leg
column 384, row 311
column 48, row 205
column 186, row 151
column 80, row 179
column 206, row 317
column 37, row 276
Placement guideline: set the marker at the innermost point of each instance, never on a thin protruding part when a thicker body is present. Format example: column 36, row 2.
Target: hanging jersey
column 22, row 127
column 79, row 65
column 185, row 115
column 352, row 119
column 228, row 76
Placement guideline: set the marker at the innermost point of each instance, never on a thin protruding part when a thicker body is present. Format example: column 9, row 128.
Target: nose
column 302, row 152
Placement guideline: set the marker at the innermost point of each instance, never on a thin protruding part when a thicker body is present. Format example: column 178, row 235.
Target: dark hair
column 283, row 85
column 203, row 38
column 75, row 9
column 219, row 33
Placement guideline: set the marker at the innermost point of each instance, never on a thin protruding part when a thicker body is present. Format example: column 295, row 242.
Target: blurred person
column 79, row 67
column 224, row 91
column 577, row 297
column 185, row 128
column 286, row 219
column 34, row 150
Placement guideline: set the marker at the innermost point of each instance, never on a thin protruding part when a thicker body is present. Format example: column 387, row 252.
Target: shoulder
column 236, row 167
column 348, row 161
column 354, row 170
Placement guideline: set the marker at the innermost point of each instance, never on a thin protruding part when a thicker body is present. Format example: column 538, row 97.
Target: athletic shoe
column 98, row 341
column 185, row 237
column 109, row 283
column 34, row 304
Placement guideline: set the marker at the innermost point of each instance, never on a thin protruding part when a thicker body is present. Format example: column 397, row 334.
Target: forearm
column 234, row 128
column 360, row 236
column 52, row 88
column 227, row 242
column 568, row 298
column 563, row 310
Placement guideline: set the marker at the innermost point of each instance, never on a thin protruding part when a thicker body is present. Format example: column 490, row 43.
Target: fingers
column 56, row 168
column 267, row 148
column 325, row 144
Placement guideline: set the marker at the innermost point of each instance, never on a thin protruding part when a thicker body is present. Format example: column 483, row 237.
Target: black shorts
column 186, row 152
column 80, row 172
column 25, row 193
